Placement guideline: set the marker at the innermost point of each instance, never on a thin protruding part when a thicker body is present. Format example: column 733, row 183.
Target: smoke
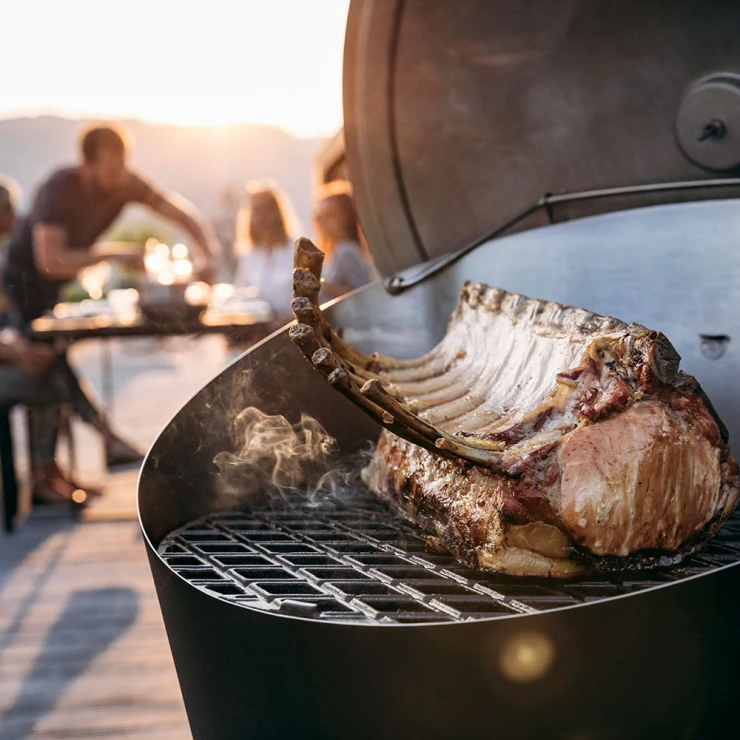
column 279, row 457
column 275, row 453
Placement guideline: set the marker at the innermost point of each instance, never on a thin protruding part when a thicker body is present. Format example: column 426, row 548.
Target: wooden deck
column 83, row 651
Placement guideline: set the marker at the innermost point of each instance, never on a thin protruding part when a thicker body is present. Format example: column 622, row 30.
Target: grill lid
column 459, row 115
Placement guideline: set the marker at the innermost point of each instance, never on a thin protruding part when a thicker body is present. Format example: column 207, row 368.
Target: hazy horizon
column 84, row 120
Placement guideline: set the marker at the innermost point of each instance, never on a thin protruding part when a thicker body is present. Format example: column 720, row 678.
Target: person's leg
column 49, row 485
column 44, row 421
column 118, row 452
column 68, row 386
column 18, row 387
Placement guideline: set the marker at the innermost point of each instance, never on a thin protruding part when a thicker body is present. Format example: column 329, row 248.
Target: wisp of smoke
column 279, row 457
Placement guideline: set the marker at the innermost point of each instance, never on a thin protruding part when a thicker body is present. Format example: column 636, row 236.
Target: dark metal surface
column 458, row 115
column 658, row 663
column 371, row 41
column 350, row 559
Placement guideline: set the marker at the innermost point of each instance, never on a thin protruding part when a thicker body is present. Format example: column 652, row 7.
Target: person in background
column 70, row 211
column 72, row 208
column 348, row 264
column 31, row 374
column 266, row 230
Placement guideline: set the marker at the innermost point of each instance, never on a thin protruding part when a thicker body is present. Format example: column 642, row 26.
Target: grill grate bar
column 359, row 562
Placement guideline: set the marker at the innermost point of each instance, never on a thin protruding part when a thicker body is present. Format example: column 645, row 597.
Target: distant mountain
column 207, row 165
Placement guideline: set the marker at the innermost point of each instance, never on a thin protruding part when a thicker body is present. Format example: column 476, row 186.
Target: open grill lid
column 460, row 115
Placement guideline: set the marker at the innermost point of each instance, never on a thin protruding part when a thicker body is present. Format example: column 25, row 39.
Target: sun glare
column 276, row 62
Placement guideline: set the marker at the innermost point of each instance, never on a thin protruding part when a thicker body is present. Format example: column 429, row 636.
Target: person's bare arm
column 55, row 259
column 112, row 250
column 53, row 256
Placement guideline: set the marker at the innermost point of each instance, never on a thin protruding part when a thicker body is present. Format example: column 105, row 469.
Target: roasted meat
column 535, row 438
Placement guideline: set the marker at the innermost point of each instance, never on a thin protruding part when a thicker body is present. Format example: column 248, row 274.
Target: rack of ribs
column 535, row 439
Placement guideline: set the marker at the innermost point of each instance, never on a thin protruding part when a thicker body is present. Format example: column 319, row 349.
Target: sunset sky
column 205, row 62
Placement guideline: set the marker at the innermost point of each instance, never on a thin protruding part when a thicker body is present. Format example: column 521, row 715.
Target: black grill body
column 644, row 659
column 458, row 117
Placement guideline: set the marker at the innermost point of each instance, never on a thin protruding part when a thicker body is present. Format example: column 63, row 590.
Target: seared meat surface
column 535, row 438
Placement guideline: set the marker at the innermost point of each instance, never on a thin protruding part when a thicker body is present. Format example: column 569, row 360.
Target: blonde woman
column 266, row 230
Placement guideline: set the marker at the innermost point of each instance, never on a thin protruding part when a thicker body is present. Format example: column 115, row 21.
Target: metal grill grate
column 359, row 562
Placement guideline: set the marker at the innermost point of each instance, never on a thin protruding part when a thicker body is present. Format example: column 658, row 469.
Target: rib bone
column 308, row 257
column 480, row 452
column 313, row 332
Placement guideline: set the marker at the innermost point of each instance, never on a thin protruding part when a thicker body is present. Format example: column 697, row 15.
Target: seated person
column 71, row 209
column 31, row 374
column 348, row 264
column 264, row 247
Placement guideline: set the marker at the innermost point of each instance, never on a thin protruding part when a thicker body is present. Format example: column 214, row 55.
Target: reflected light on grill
column 526, row 656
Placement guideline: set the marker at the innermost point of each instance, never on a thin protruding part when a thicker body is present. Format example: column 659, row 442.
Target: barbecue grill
column 585, row 157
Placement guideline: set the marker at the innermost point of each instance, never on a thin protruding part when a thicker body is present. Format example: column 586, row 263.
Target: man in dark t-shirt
column 58, row 238
column 72, row 209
